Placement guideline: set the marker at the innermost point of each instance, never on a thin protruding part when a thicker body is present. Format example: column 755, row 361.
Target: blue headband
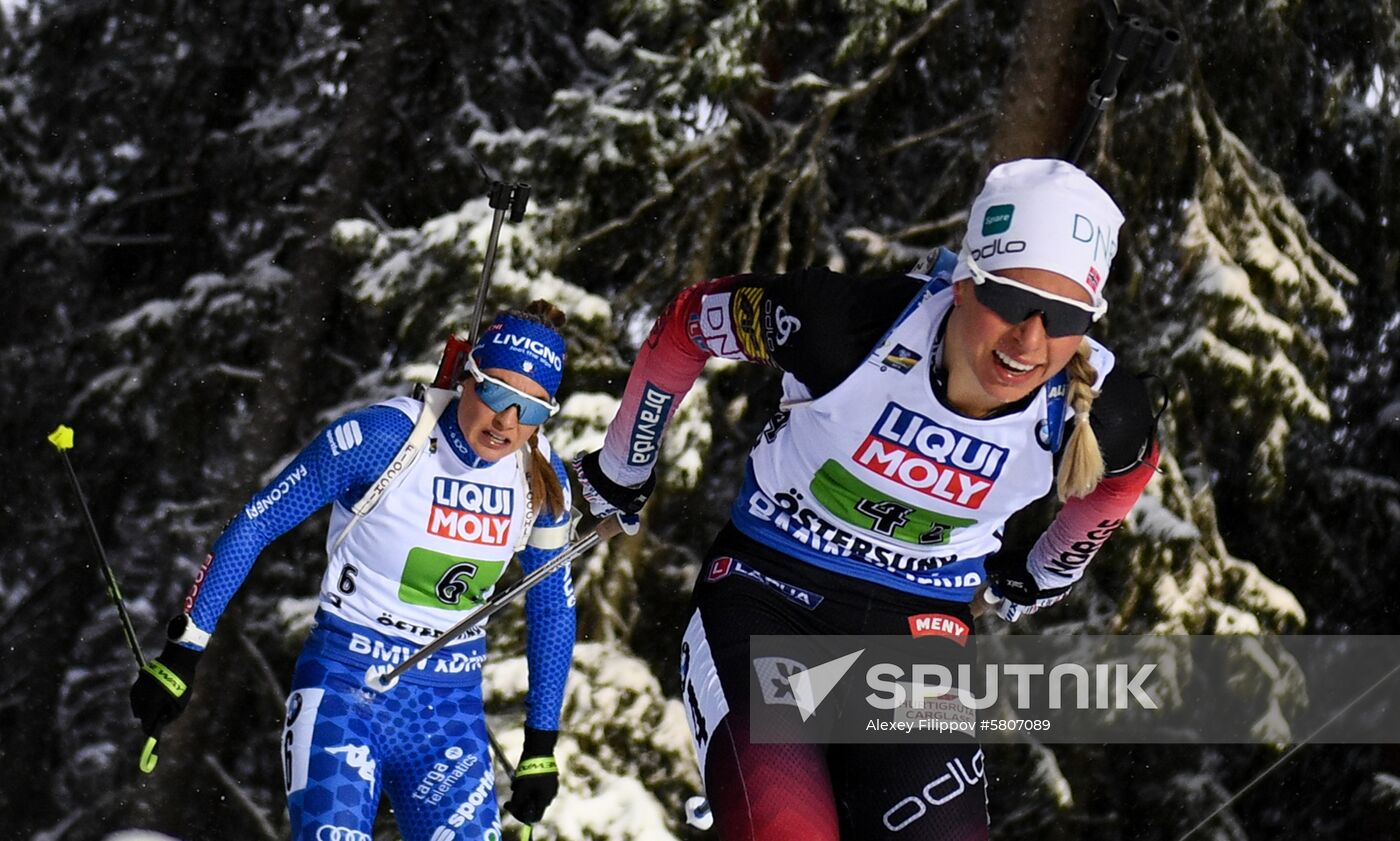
column 526, row 347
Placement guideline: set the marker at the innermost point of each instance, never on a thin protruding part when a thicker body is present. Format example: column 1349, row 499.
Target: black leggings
column 812, row 792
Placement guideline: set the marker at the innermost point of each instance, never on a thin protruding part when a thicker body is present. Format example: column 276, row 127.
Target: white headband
column 1043, row 214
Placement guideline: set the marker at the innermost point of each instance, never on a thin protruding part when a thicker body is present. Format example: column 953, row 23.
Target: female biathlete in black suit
column 919, row 412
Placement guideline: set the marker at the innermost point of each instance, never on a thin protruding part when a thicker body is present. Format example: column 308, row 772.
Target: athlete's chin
column 1005, row 389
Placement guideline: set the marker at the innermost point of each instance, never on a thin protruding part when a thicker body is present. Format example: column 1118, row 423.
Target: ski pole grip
column 1103, row 90
column 1163, row 55
column 499, row 195
column 609, row 527
column 519, row 197
column 148, row 754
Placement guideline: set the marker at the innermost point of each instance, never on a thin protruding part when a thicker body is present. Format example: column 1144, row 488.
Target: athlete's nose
column 1030, row 334
column 507, row 418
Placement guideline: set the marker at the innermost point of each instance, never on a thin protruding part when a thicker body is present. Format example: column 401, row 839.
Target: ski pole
column 606, row 529
column 526, row 830
column 1127, row 38
column 1132, row 37
column 62, row 439
column 698, row 814
column 503, row 198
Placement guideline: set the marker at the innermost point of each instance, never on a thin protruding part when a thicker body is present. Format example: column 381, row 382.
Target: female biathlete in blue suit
column 919, row 412
column 484, row 485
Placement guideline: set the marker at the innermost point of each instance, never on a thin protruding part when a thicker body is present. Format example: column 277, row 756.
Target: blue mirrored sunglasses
column 499, row 396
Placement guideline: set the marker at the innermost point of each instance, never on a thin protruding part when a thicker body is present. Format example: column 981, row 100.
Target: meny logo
column 939, row 625
column 923, row 455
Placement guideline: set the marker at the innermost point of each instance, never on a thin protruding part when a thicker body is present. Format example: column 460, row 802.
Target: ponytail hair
column 544, row 482
column 1081, row 468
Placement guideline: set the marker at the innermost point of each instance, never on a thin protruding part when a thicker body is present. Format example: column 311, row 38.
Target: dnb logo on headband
column 997, row 219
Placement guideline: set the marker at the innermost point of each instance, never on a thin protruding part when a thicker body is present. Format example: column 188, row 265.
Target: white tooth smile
column 496, row 439
column 1019, row 367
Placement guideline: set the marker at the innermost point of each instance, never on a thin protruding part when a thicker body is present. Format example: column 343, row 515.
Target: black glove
column 536, row 777
column 606, row 497
column 1015, row 589
column 162, row 689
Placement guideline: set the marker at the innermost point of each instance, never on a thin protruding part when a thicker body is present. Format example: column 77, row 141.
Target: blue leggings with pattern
column 425, row 745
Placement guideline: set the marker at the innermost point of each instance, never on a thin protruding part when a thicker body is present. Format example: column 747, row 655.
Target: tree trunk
column 220, row 704
column 1059, row 48
column 313, row 300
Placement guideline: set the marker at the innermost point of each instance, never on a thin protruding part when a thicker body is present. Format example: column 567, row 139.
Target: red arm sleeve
column 1085, row 523
column 696, row 325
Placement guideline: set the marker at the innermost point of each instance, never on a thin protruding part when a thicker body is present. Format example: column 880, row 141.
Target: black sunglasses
column 1015, row 302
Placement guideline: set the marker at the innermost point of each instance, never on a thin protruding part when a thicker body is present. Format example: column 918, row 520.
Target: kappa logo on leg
column 357, row 757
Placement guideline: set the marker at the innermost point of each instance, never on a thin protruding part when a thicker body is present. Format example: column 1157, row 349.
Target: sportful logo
column 920, row 454
column 470, row 512
column 997, row 220
column 467, row 811
column 646, row 427
column 344, row 436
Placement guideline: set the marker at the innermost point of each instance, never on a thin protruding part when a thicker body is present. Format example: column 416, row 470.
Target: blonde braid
column 1082, row 465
